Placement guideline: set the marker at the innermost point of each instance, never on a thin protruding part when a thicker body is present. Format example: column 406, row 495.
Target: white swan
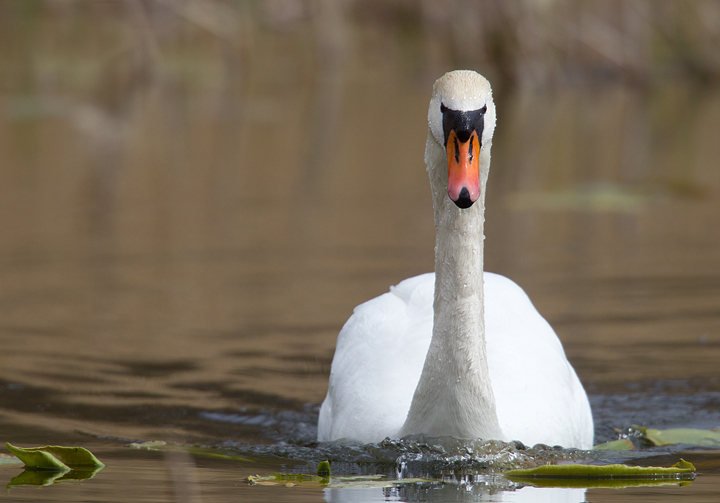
column 424, row 357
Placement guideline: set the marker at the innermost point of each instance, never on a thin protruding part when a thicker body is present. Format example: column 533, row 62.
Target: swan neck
column 454, row 395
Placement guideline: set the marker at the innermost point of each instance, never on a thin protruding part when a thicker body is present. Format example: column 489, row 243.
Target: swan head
column 461, row 119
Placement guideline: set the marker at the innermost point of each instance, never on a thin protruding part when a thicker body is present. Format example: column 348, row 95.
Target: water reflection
column 480, row 490
column 31, row 477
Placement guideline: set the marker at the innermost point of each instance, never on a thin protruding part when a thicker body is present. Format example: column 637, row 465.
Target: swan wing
column 538, row 395
column 378, row 359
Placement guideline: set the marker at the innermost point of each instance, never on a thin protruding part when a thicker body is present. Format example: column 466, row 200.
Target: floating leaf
column 622, row 444
column 55, row 457
column 283, row 479
column 710, row 438
column 74, row 457
column 680, row 470
column 38, row 460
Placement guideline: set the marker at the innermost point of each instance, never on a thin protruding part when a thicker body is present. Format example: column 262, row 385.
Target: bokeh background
column 195, row 194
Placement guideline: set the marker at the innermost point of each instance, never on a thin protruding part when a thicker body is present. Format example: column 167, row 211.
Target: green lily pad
column 709, row 438
column 680, row 470
column 55, row 457
column 622, row 444
column 38, row 460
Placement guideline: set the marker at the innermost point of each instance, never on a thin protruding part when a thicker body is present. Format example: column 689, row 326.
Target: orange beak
column 463, row 169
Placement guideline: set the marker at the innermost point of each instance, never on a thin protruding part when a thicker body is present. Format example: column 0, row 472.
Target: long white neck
column 454, row 396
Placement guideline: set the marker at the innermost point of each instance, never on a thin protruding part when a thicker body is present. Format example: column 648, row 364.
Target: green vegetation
column 52, row 464
column 622, row 444
column 323, row 469
column 708, row 438
column 680, row 470
column 55, row 457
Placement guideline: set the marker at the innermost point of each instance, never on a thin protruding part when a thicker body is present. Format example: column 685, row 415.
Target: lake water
column 185, row 228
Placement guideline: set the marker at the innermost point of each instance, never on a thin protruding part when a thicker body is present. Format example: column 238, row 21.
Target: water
column 182, row 235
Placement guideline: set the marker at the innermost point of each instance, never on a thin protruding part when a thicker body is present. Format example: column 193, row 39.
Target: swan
column 459, row 352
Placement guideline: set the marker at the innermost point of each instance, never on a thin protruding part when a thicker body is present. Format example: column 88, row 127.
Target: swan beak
column 463, row 169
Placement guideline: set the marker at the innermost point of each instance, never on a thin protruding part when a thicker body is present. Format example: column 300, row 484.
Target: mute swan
column 424, row 357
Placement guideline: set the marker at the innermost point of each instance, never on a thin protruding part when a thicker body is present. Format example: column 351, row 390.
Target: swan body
column 381, row 351
column 457, row 352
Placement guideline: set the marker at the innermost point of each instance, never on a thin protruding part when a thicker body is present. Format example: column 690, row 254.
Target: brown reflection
column 191, row 203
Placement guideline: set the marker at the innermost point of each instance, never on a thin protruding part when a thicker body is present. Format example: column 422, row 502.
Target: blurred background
column 195, row 194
